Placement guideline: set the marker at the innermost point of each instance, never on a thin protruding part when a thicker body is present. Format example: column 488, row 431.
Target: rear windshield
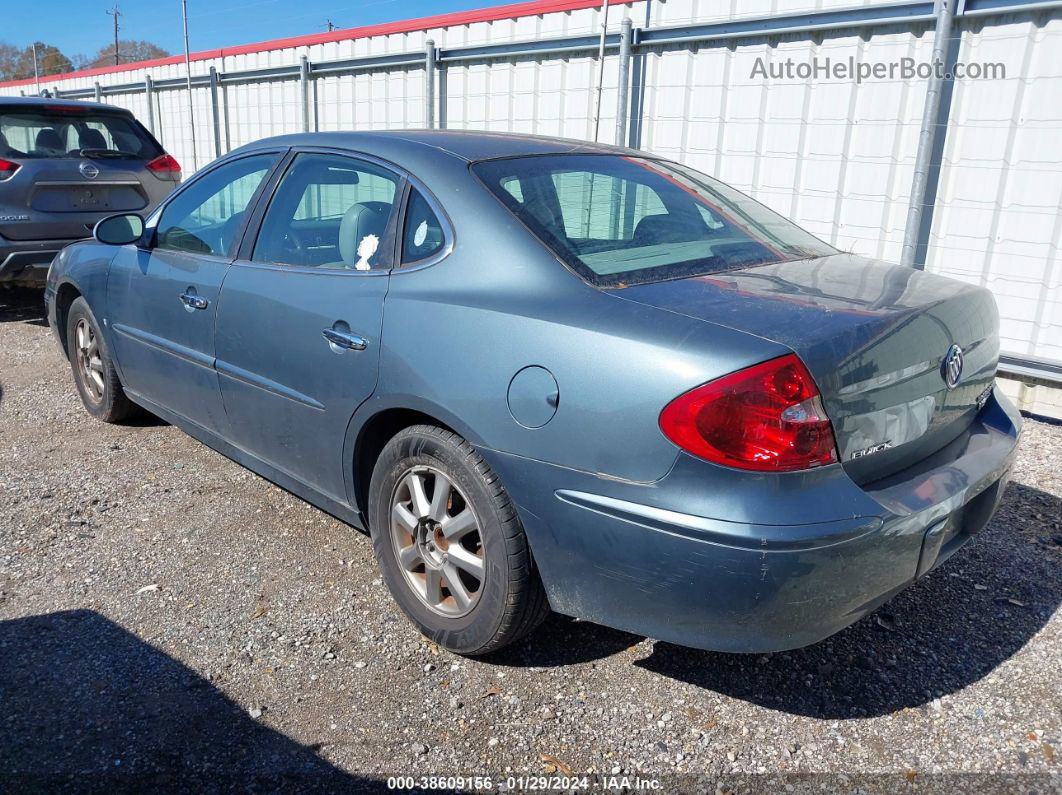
column 620, row 220
column 44, row 133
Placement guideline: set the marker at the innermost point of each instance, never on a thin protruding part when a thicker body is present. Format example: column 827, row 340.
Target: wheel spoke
column 98, row 380
column 81, row 342
column 400, row 513
column 456, row 527
column 409, row 557
column 440, row 498
column 457, row 588
column 433, row 586
column 421, row 506
column 93, row 347
column 96, row 365
column 468, row 561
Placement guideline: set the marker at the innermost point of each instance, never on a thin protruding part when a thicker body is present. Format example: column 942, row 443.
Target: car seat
column 363, row 218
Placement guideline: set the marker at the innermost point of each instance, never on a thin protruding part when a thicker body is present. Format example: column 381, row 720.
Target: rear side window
column 423, row 235
column 206, row 216
column 73, row 132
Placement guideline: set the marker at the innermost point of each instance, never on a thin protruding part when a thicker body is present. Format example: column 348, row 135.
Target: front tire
column 94, row 374
column 450, row 545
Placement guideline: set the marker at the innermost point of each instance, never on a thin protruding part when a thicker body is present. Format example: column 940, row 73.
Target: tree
column 128, row 52
column 8, row 60
column 50, row 61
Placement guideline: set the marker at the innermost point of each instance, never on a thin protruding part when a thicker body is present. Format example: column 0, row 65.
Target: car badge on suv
column 951, row 367
column 88, row 170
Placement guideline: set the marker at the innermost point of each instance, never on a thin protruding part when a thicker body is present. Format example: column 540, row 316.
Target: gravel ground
column 166, row 616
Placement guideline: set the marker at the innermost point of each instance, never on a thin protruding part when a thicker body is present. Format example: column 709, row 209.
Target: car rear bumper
column 25, row 262
column 629, row 555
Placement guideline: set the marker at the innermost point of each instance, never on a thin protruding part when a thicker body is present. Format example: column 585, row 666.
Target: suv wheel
column 450, row 544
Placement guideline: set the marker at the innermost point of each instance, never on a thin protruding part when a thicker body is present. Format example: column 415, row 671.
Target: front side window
column 622, row 220
column 330, row 211
column 423, row 236
column 64, row 132
column 205, row 218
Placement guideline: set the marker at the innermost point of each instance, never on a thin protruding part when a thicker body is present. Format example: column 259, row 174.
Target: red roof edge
column 490, row 14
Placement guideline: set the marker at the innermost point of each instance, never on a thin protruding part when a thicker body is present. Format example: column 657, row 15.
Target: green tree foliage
column 128, row 52
column 50, row 61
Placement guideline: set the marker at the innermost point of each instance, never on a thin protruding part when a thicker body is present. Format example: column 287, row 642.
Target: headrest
column 91, row 139
column 362, row 219
column 49, row 139
column 665, row 228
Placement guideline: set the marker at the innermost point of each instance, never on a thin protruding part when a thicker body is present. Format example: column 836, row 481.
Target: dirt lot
column 166, row 616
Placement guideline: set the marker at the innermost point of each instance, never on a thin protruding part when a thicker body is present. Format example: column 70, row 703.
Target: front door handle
column 193, row 301
column 345, row 339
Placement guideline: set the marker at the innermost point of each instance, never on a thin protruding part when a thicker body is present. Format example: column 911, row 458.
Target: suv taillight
column 7, row 169
column 768, row 417
column 165, row 167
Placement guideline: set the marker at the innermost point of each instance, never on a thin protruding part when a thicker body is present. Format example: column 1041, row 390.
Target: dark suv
column 64, row 165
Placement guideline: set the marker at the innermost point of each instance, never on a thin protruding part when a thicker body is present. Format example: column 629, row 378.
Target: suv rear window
column 619, row 220
column 73, row 132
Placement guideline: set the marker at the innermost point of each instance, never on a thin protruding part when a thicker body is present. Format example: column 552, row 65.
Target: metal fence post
column 149, row 94
column 215, row 116
column 304, row 91
column 99, row 91
column 927, row 135
column 624, row 84
column 429, row 84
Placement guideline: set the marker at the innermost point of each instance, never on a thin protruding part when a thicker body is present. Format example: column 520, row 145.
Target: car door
column 301, row 312
column 163, row 296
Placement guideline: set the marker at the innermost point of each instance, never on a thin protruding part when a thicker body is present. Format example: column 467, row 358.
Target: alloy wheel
column 437, row 541
column 89, row 361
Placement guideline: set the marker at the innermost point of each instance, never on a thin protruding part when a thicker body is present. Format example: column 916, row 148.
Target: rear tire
column 94, row 374
column 450, row 544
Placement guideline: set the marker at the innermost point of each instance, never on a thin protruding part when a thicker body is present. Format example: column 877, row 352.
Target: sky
column 83, row 26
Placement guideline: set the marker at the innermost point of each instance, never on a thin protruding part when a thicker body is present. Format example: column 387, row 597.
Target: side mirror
column 119, row 230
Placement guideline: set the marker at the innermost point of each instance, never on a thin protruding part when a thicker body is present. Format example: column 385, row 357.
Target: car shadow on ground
column 87, row 705
column 21, row 305
column 946, row 632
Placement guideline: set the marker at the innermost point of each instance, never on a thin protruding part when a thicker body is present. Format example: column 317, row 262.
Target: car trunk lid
column 875, row 337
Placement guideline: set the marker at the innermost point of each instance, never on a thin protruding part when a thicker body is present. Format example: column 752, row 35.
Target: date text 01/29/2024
column 531, row 783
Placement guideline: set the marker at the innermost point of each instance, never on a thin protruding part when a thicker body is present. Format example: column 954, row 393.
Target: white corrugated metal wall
column 836, row 156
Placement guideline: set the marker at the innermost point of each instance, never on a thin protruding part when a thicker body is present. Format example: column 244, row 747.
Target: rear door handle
column 345, row 339
column 194, row 301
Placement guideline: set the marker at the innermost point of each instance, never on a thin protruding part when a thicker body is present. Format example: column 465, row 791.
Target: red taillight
column 7, row 168
column 768, row 417
column 165, row 166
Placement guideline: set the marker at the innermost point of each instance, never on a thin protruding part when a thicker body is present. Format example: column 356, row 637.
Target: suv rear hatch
column 75, row 164
column 873, row 335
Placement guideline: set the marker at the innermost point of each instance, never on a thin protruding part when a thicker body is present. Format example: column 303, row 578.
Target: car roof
column 468, row 145
column 39, row 102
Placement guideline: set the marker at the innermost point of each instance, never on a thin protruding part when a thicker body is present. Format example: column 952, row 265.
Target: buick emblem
column 88, row 171
column 951, row 367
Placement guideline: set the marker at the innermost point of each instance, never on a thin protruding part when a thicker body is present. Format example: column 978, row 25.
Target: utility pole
column 188, row 84
column 115, row 13
column 36, row 74
column 600, row 70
